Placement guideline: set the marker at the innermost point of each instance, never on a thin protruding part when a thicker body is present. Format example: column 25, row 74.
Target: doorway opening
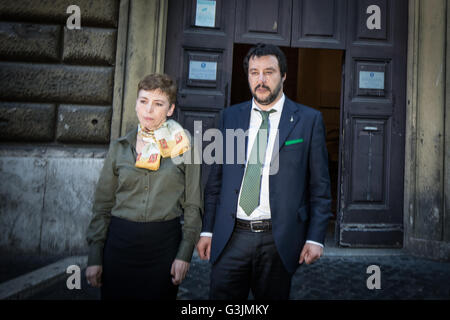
column 314, row 78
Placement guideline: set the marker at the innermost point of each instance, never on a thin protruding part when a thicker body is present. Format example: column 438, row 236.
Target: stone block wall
column 45, row 201
column 56, row 84
column 56, row 97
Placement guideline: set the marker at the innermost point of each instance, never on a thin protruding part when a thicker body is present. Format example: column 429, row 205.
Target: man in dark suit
column 269, row 214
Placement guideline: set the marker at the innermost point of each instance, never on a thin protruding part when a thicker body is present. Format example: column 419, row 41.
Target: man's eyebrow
column 268, row 68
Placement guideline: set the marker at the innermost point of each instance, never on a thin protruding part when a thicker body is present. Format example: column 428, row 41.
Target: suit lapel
column 244, row 115
column 289, row 118
column 244, row 121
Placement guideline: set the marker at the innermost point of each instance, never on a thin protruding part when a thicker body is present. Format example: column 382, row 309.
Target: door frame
column 342, row 142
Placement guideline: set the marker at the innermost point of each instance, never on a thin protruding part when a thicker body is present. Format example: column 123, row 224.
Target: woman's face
column 153, row 108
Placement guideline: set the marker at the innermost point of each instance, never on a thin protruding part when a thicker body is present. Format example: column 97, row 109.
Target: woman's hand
column 178, row 271
column 94, row 276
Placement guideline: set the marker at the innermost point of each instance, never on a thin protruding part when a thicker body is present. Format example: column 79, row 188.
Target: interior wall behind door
column 313, row 79
column 319, row 78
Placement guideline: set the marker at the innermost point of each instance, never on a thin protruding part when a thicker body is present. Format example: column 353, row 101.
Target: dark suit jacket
column 299, row 193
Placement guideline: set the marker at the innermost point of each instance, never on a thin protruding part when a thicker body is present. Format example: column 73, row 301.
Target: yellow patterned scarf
column 169, row 140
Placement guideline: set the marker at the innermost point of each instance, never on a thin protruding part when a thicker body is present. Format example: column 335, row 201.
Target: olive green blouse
column 142, row 195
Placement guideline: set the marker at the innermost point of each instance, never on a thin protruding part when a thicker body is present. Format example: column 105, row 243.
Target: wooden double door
column 372, row 35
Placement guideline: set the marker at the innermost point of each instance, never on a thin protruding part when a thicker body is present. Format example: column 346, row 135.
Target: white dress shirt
column 263, row 210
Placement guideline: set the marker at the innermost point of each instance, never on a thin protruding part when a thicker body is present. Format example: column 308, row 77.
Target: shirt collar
column 278, row 107
column 130, row 137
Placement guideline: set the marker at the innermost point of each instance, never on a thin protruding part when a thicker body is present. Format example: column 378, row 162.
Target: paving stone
column 330, row 278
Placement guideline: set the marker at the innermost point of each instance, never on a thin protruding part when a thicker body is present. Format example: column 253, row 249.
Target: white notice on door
column 202, row 70
column 371, row 80
column 206, row 13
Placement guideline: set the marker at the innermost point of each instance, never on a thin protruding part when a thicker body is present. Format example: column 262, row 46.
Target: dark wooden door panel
column 319, row 23
column 266, row 21
column 199, row 55
column 368, row 184
column 373, row 121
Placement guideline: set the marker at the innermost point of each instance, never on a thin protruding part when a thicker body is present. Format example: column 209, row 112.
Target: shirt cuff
column 185, row 251
column 206, row 234
column 313, row 242
column 95, row 256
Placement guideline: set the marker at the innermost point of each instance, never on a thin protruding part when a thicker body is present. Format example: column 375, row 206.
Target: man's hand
column 178, row 271
column 94, row 276
column 310, row 253
column 204, row 248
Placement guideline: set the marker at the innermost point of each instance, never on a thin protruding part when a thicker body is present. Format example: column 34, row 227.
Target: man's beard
column 272, row 96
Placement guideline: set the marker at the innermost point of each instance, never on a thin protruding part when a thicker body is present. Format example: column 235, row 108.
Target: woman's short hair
column 262, row 49
column 163, row 82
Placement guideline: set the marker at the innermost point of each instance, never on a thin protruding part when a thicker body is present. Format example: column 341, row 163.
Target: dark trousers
column 137, row 260
column 250, row 261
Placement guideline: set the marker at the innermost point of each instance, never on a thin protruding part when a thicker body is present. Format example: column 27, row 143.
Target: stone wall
column 45, row 200
column 56, row 84
column 56, row 102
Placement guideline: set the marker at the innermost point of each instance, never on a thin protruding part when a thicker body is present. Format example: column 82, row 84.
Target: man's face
column 264, row 78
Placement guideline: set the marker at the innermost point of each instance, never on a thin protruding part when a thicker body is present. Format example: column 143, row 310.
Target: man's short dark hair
column 262, row 49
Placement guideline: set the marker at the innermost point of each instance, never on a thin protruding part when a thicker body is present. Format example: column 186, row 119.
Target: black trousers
column 250, row 261
column 137, row 260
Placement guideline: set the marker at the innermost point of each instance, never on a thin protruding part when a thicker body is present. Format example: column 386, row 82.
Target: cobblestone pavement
column 332, row 277
column 402, row 277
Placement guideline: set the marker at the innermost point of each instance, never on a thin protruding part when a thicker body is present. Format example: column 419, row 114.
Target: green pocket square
column 288, row 143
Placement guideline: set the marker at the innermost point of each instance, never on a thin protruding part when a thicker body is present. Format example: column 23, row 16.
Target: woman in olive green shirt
column 137, row 246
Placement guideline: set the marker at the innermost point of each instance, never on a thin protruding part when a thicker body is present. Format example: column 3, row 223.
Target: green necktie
column 251, row 186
